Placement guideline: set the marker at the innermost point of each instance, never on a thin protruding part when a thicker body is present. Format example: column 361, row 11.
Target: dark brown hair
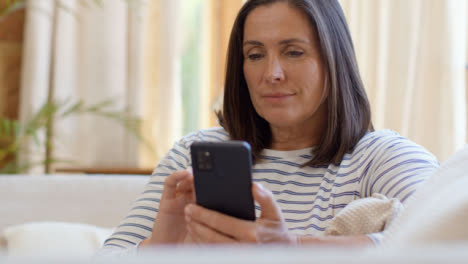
column 349, row 115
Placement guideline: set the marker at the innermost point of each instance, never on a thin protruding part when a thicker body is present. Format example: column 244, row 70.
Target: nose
column 274, row 71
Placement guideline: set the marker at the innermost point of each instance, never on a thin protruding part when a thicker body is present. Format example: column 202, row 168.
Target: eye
column 255, row 56
column 294, row 53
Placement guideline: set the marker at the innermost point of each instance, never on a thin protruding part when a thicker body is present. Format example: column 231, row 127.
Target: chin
column 279, row 120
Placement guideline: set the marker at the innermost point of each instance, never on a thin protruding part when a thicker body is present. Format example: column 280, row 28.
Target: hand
column 208, row 226
column 169, row 226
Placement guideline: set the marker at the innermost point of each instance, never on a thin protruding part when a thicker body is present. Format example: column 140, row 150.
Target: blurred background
column 107, row 86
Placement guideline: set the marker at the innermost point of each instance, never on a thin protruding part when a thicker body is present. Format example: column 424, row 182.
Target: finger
column 187, row 190
column 264, row 197
column 170, row 184
column 186, row 185
column 239, row 229
column 204, row 234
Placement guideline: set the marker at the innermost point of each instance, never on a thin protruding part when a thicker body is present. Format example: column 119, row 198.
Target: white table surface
column 447, row 254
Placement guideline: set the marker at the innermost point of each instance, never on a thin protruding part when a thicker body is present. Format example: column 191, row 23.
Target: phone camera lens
column 204, row 160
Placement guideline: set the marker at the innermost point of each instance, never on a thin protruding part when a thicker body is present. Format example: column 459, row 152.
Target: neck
column 304, row 135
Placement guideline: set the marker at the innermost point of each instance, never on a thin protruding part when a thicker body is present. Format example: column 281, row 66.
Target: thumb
column 264, row 197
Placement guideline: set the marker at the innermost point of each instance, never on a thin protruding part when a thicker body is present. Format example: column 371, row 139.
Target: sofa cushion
column 438, row 212
column 97, row 200
column 54, row 239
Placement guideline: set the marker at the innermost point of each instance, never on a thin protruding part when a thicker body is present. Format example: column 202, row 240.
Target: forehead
column 276, row 22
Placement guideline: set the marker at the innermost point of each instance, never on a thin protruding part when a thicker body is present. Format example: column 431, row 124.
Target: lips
column 277, row 97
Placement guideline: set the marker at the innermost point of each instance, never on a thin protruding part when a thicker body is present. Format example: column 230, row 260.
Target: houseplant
column 15, row 136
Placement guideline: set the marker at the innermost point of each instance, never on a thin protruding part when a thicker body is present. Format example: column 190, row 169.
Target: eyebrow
column 283, row 42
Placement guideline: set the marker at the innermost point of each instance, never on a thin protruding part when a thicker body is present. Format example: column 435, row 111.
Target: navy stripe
column 149, row 200
column 270, row 158
column 399, row 182
column 326, row 199
column 407, row 186
column 137, row 226
column 210, row 136
column 370, row 156
column 407, row 196
column 176, row 162
column 399, row 175
column 182, row 146
column 406, row 153
column 145, row 208
column 307, row 184
column 297, row 165
column 346, row 182
column 115, row 245
column 393, row 145
column 294, row 202
column 295, row 193
column 314, row 216
column 180, row 154
column 119, row 239
column 405, row 162
column 307, row 227
column 367, row 177
column 288, row 182
column 131, row 234
column 333, row 195
column 323, row 209
column 408, row 147
column 351, row 193
column 166, row 166
column 308, row 175
column 161, row 174
column 140, row 216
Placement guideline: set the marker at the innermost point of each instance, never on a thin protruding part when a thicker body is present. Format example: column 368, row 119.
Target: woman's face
column 283, row 66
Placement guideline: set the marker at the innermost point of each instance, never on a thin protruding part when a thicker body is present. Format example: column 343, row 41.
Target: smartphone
column 222, row 174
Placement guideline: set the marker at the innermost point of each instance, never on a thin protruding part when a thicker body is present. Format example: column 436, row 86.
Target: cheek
column 252, row 76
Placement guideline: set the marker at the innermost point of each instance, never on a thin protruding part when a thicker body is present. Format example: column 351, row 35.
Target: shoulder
column 385, row 144
column 215, row 134
column 178, row 157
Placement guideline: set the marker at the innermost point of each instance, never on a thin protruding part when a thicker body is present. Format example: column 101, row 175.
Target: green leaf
column 73, row 109
column 10, row 7
column 99, row 106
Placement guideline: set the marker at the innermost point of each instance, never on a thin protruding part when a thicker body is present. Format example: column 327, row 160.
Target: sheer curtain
column 165, row 36
column 162, row 101
column 412, row 59
column 95, row 53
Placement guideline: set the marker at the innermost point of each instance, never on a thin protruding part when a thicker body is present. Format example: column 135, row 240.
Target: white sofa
column 63, row 210
column 432, row 229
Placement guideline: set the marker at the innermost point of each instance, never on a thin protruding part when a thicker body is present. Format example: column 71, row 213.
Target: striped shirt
column 309, row 197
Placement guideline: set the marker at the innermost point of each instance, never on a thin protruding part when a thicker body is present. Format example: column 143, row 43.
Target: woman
column 293, row 91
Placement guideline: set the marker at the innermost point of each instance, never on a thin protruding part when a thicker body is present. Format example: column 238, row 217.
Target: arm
column 399, row 167
column 207, row 226
column 139, row 222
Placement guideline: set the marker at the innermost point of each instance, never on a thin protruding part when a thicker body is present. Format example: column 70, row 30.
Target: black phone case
column 223, row 178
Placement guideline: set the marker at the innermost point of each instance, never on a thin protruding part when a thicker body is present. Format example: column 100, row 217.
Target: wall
column 11, row 44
